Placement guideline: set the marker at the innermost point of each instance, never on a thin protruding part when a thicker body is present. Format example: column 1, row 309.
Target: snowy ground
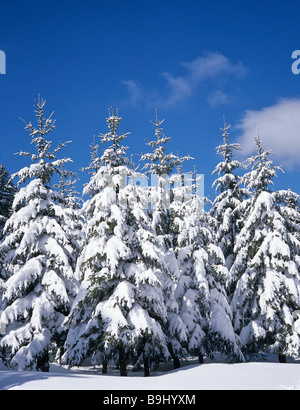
column 210, row 376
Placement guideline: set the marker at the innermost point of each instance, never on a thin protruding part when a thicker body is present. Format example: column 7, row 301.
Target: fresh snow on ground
column 209, row 376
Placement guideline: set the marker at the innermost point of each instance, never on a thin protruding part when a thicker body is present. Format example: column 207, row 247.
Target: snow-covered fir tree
column 267, row 265
column 38, row 257
column 119, row 312
column 229, row 194
column 159, row 166
column 200, row 292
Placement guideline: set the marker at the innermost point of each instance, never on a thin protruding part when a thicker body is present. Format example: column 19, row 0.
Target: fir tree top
column 262, row 170
column 115, row 154
column 42, row 169
column 161, row 163
column 227, row 180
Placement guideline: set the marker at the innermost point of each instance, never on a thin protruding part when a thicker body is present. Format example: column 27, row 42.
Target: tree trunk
column 122, row 361
column 176, row 362
column 282, row 358
column 42, row 362
column 201, row 358
column 146, row 366
column 104, row 367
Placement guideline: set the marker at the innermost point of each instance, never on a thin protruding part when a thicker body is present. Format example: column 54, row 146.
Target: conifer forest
column 139, row 269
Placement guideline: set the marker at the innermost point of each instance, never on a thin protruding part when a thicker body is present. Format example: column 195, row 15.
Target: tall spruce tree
column 119, row 313
column 200, row 292
column 38, row 257
column 159, row 166
column 229, row 196
column 266, row 266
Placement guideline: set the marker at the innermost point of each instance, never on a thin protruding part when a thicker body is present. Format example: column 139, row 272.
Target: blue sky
column 193, row 60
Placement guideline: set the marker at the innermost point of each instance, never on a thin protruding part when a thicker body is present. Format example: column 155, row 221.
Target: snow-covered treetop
column 227, row 180
column 114, row 166
column 262, row 169
column 161, row 163
column 114, row 155
column 42, row 169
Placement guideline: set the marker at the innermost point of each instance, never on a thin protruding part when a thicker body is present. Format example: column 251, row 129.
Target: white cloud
column 279, row 129
column 210, row 66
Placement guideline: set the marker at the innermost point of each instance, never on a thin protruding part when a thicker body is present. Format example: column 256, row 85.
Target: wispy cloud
column 279, row 129
column 178, row 89
column 135, row 92
column 212, row 67
column 219, row 97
